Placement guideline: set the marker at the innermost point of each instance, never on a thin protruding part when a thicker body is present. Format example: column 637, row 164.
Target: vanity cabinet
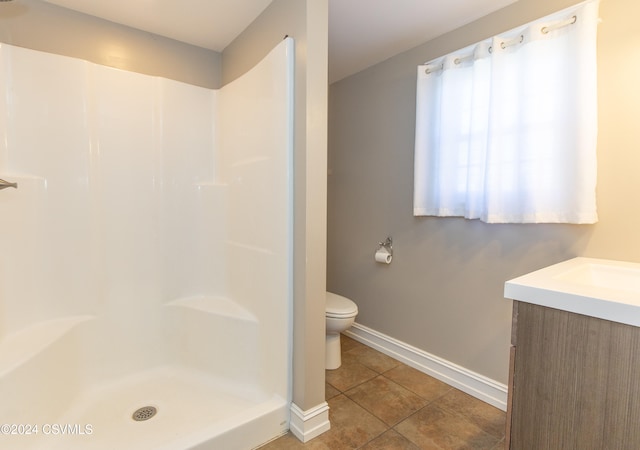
column 574, row 381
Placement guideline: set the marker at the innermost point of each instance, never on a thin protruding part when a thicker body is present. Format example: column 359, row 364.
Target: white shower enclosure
column 145, row 256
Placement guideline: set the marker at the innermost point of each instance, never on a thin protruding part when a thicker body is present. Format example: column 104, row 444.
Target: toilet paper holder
column 388, row 244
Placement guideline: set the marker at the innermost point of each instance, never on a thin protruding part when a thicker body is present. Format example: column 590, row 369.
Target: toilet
column 340, row 314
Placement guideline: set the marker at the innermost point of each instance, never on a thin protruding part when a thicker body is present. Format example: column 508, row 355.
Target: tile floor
column 379, row 403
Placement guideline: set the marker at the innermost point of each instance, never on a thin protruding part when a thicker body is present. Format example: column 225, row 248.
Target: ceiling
column 361, row 32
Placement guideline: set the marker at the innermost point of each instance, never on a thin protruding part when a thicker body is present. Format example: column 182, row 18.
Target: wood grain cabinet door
column 575, row 382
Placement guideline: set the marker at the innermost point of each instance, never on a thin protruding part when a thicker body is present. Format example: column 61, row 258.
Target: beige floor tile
column 435, row 428
column 362, row 419
column 422, row 384
column 490, row 419
column 387, row 400
column 349, row 344
column 351, row 425
column 373, row 359
column 350, row 374
column 330, row 391
column 391, row 440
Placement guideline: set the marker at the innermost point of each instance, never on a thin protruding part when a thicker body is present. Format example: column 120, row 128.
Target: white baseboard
column 467, row 381
column 305, row 425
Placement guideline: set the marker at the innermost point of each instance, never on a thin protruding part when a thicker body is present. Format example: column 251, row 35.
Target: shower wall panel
column 255, row 133
column 152, row 221
column 46, row 235
column 187, row 123
column 108, row 208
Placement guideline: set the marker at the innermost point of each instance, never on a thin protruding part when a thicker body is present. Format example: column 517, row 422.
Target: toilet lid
column 339, row 306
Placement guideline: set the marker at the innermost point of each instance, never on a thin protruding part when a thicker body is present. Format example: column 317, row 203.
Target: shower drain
column 144, row 413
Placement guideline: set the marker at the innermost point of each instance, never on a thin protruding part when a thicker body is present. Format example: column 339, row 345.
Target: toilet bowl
column 340, row 314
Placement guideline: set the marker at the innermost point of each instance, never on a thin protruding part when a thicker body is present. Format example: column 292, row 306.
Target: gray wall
column 443, row 293
column 42, row 26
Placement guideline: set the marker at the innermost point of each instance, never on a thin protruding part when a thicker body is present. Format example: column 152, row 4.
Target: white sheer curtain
column 506, row 129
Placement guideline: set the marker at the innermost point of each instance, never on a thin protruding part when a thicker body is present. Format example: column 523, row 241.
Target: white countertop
column 599, row 288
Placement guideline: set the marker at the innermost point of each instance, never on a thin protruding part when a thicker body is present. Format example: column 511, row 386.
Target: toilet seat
column 339, row 307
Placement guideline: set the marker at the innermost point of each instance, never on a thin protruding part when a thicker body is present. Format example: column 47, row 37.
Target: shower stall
column 145, row 256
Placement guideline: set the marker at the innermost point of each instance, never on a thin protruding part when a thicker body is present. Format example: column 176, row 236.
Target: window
column 506, row 129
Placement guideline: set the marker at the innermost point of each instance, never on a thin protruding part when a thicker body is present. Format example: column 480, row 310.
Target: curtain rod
column 544, row 30
column 560, row 24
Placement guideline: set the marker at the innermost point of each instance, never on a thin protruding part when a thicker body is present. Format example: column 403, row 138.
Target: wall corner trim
column 305, row 425
column 472, row 383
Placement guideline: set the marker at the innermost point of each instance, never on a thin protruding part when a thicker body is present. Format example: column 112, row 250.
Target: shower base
column 76, row 382
column 194, row 411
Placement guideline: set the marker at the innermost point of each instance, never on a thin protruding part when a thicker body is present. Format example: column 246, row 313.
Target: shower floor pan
column 193, row 411
column 69, row 399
